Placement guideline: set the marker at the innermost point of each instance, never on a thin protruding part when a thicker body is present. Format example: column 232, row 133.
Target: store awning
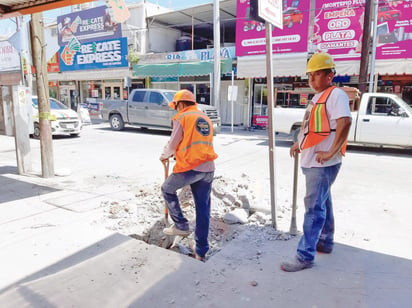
column 382, row 67
column 283, row 65
column 295, row 64
column 180, row 69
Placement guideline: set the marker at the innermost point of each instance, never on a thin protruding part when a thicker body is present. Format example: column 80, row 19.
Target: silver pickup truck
column 148, row 108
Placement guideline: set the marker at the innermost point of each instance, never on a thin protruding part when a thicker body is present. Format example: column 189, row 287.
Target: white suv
column 65, row 122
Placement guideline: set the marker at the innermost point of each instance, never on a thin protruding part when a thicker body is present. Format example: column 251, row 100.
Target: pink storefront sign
column 338, row 28
column 260, row 121
column 251, row 35
column 394, row 30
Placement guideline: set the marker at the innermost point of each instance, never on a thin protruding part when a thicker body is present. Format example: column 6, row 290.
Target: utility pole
column 372, row 79
column 216, row 50
column 366, row 45
column 39, row 61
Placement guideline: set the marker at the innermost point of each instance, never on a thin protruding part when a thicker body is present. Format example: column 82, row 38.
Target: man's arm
column 342, row 130
column 176, row 137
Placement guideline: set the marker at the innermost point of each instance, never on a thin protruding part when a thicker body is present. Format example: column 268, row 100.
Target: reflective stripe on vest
column 319, row 126
column 196, row 146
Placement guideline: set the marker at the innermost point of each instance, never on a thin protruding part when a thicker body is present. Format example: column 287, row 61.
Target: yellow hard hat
column 182, row 95
column 320, row 61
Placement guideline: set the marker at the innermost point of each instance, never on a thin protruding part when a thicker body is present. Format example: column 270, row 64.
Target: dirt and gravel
column 141, row 216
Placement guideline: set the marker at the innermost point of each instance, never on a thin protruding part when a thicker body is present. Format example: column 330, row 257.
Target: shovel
column 293, row 229
column 166, row 168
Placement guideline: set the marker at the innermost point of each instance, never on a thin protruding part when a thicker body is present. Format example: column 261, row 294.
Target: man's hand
column 321, row 157
column 294, row 149
column 164, row 160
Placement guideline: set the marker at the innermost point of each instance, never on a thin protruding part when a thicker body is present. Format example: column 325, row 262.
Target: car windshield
column 54, row 104
column 169, row 95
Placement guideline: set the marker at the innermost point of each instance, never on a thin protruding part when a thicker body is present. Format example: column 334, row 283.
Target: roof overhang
column 13, row 8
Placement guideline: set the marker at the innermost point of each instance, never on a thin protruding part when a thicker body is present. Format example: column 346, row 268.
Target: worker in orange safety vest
column 322, row 142
column 191, row 143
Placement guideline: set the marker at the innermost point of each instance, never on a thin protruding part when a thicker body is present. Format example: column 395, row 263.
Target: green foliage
column 134, row 56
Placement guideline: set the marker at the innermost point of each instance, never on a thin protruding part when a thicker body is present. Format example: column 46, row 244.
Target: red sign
column 260, row 121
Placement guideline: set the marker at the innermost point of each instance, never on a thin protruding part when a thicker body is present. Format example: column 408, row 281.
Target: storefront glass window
column 260, row 100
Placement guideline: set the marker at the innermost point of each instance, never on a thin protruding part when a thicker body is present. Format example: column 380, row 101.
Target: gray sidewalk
column 52, row 257
column 54, row 254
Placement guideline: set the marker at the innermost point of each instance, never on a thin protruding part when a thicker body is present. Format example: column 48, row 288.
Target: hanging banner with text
column 87, row 26
column 338, row 28
column 93, row 55
column 394, row 31
column 251, row 36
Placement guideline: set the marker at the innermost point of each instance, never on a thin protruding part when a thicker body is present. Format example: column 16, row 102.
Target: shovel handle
column 166, row 169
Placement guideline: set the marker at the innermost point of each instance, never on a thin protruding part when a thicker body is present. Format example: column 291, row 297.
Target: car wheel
column 116, row 122
column 36, row 131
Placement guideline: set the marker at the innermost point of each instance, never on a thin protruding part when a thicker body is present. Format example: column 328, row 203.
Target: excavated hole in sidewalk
column 142, row 216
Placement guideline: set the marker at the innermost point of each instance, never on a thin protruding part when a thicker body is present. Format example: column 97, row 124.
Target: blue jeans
column 201, row 185
column 318, row 223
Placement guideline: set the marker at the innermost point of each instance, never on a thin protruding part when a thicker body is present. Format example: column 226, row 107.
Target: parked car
column 292, row 16
column 386, row 13
column 148, row 108
column 64, row 120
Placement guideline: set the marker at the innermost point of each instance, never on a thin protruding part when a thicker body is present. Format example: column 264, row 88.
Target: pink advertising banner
column 251, row 36
column 338, row 28
column 394, row 32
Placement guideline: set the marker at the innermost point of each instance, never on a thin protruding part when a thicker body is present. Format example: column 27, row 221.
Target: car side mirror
column 403, row 114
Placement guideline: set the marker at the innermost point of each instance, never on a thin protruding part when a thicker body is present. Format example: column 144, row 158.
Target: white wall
column 162, row 39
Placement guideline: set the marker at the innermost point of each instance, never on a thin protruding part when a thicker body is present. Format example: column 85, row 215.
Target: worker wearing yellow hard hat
column 321, row 142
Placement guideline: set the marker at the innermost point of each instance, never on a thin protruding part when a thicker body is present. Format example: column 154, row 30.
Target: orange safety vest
column 196, row 146
column 319, row 126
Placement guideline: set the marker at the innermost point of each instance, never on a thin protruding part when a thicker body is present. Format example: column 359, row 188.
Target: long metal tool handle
column 166, row 168
column 293, row 229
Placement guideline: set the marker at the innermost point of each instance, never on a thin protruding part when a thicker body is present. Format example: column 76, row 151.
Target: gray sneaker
column 295, row 265
column 172, row 230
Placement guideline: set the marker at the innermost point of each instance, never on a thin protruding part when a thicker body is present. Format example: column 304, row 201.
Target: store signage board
column 93, row 55
column 9, row 57
column 271, row 11
column 292, row 38
column 87, row 26
column 394, row 30
column 338, row 28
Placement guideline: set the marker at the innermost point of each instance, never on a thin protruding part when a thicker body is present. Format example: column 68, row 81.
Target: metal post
column 231, row 98
column 293, row 229
column 372, row 62
column 216, row 50
column 269, row 77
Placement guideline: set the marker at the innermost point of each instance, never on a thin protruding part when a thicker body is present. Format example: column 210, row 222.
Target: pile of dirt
column 142, row 216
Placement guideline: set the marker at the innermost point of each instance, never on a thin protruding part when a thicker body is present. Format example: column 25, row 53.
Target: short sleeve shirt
column 337, row 106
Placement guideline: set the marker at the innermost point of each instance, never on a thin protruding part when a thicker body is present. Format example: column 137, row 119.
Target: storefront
column 193, row 69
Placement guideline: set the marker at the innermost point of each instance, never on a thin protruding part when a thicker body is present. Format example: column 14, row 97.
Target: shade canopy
column 180, row 69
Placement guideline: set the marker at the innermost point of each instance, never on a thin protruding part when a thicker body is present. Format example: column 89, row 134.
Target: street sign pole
column 269, row 77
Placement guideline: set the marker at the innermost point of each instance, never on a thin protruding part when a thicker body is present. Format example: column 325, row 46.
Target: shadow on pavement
column 12, row 189
column 83, row 255
column 246, row 273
